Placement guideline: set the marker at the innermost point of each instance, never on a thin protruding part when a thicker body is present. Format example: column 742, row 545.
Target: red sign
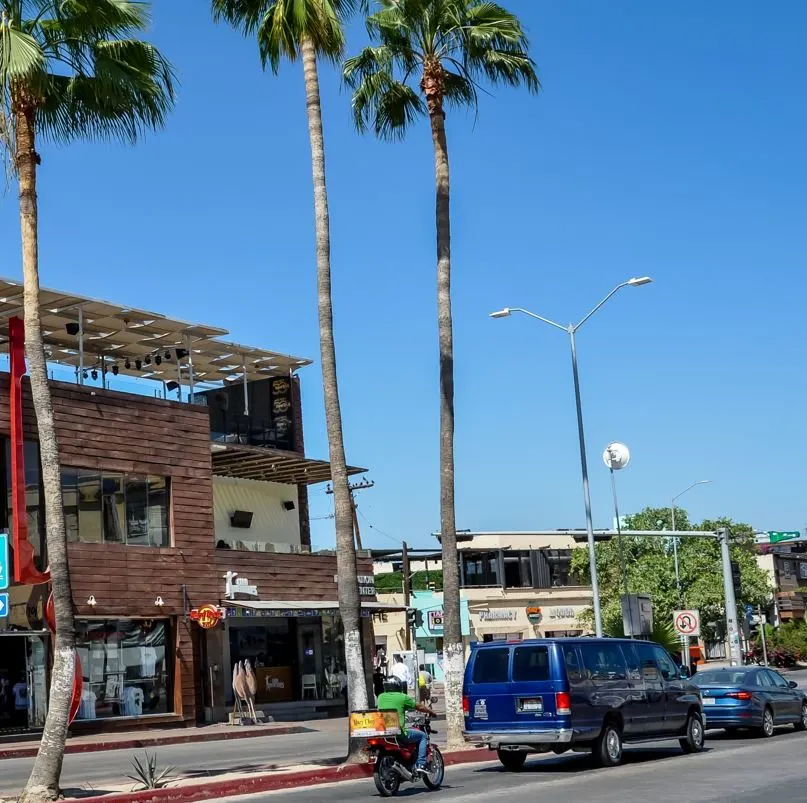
column 208, row 616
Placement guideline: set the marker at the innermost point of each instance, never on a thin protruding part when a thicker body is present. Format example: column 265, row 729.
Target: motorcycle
column 394, row 758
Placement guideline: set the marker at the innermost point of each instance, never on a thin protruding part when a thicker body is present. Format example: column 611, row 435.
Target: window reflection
column 125, row 667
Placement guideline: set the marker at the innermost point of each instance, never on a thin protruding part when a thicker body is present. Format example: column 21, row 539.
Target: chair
column 310, row 684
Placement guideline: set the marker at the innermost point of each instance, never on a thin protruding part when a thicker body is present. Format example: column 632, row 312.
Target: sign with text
column 374, row 723
column 435, row 619
column 4, row 563
column 687, row 623
column 497, row 615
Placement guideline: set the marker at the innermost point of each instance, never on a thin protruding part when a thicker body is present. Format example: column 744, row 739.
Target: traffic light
column 736, row 580
column 414, row 618
column 418, row 618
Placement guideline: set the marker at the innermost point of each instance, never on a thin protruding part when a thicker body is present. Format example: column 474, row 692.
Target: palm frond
column 459, row 90
column 20, row 55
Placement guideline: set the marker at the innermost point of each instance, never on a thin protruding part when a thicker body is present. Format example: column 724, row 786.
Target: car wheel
column 766, row 729
column 608, row 747
column 801, row 723
column 512, row 760
column 693, row 741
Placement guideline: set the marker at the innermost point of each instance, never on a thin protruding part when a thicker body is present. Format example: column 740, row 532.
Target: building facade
column 169, row 506
column 512, row 586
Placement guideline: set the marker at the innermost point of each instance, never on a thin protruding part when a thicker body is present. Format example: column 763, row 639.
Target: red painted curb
column 157, row 741
column 255, row 784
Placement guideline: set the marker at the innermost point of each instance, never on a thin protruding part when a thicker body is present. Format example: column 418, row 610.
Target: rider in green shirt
column 394, row 699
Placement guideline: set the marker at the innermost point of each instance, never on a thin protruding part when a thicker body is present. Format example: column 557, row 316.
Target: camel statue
column 251, row 683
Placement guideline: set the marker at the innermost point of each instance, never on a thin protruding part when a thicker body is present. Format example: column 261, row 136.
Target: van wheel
column 608, row 747
column 693, row 741
column 512, row 760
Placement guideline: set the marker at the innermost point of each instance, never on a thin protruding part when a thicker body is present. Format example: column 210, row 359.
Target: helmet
column 394, row 684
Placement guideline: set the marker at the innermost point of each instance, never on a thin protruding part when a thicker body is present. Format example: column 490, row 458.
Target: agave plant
column 147, row 774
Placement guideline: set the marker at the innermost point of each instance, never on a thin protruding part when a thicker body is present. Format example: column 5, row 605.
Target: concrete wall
column 271, row 522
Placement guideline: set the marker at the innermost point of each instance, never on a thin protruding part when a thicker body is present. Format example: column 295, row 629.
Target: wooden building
column 170, row 505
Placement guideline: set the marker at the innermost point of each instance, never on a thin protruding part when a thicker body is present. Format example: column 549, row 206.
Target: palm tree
column 428, row 54
column 310, row 30
column 69, row 69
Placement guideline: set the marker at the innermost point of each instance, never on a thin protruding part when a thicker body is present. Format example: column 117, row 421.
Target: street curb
column 157, row 741
column 255, row 784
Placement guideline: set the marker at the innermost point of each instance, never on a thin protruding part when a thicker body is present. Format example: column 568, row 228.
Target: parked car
column 751, row 697
column 565, row 694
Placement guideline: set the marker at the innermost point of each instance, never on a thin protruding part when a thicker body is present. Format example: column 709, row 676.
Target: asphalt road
column 743, row 769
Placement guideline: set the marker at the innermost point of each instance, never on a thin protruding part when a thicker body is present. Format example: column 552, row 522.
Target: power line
column 380, row 532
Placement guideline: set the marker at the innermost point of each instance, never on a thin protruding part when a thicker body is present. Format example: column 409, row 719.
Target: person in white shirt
column 401, row 671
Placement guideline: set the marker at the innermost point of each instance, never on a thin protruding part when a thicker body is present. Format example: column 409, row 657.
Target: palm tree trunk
column 349, row 608
column 453, row 651
column 43, row 783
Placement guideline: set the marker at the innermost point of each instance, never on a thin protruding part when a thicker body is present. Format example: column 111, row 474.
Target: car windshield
column 722, row 677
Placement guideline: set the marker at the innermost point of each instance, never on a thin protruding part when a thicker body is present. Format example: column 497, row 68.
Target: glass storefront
column 126, row 666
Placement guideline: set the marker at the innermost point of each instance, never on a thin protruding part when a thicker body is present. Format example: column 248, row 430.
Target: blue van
column 577, row 694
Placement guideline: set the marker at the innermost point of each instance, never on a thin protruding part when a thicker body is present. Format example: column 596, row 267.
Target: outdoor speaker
column 288, row 504
column 241, row 519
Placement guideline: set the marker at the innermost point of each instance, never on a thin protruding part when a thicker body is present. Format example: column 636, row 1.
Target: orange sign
column 374, row 723
column 208, row 616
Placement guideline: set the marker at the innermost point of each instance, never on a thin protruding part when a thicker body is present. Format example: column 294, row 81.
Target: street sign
column 786, row 535
column 3, row 561
column 687, row 623
column 3, row 605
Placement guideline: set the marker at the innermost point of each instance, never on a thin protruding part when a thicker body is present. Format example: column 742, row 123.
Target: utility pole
column 352, row 487
column 406, row 590
column 762, row 619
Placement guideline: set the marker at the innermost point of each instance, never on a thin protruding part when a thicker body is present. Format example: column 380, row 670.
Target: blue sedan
column 751, row 697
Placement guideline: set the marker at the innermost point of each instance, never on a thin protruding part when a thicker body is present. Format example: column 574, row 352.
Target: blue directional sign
column 4, row 567
column 3, row 605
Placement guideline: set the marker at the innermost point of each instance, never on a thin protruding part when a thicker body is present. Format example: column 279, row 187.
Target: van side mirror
column 684, row 672
column 793, row 684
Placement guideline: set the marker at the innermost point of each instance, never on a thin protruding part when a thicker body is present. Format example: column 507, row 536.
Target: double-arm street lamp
column 571, row 330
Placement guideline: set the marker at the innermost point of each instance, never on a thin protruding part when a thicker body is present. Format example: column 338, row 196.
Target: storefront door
column 309, row 641
column 23, row 681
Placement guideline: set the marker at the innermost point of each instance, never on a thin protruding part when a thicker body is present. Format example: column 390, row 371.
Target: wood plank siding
column 121, row 432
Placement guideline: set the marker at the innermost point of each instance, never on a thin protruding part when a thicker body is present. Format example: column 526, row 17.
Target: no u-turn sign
column 687, row 623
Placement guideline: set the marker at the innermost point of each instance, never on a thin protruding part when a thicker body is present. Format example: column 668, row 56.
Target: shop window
column 115, row 508
column 126, row 667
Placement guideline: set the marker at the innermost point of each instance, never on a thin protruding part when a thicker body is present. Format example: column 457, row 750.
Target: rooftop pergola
column 86, row 334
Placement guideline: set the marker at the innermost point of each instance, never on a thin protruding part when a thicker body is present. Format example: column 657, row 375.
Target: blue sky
column 668, row 140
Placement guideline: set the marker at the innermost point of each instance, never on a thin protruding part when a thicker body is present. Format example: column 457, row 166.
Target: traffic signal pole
column 406, row 591
column 732, row 625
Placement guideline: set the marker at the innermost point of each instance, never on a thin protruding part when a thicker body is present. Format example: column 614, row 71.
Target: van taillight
column 563, row 703
column 466, row 708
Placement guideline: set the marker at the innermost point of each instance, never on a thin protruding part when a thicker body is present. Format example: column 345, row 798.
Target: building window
column 480, row 568
column 126, row 667
column 115, row 508
column 517, row 570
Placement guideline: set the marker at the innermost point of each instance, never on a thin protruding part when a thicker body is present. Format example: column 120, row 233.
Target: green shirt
column 398, row 701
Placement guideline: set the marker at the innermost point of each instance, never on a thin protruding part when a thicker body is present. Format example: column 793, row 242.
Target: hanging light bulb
column 128, row 364
column 115, row 370
column 138, row 364
column 167, row 354
column 148, row 359
column 158, row 359
column 94, row 374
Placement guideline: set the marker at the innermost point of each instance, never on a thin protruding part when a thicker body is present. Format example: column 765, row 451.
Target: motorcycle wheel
column 387, row 781
column 436, row 770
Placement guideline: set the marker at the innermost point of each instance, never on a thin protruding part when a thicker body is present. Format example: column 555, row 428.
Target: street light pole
column 684, row 639
column 592, row 555
column 571, row 330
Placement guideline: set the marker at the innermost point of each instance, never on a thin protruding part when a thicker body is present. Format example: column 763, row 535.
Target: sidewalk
column 154, row 738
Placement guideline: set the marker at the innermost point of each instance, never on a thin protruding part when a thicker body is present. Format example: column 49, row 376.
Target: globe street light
column 571, row 330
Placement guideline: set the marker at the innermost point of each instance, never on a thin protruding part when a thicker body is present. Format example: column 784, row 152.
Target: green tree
column 426, row 55
column 309, row 30
column 69, row 70
column 650, row 569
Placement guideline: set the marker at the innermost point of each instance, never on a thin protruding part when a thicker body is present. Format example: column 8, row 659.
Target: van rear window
column 531, row 663
column 490, row 666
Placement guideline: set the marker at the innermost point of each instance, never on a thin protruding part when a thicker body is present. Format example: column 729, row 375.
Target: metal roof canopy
column 306, row 605
column 270, row 465
column 109, row 335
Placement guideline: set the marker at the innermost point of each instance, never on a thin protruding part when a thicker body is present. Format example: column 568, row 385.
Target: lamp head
column 640, row 281
column 502, row 313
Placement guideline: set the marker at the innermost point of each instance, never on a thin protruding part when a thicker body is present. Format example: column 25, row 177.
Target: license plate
column 708, row 700
column 531, row 704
